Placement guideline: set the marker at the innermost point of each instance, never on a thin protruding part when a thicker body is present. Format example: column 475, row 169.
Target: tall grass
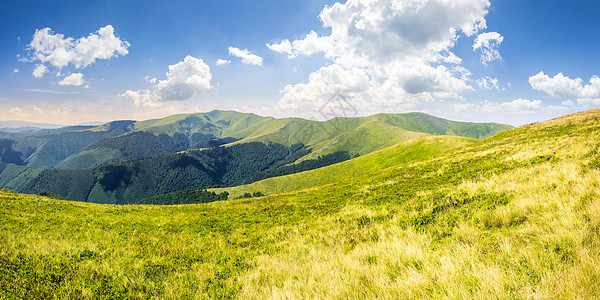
column 515, row 216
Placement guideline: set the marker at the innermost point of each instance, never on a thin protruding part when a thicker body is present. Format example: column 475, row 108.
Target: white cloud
column 15, row 70
column 515, row 112
column 400, row 46
column 488, row 43
column 75, row 79
column 449, row 57
column 283, row 47
column 488, row 83
column 14, row 110
column 50, row 91
column 589, row 102
column 150, row 79
column 461, row 107
column 561, row 86
column 59, row 51
column 518, row 106
column 322, row 84
column 142, row 98
column 184, row 79
column 39, row 71
column 221, row 62
column 312, row 43
column 247, row 57
column 408, row 85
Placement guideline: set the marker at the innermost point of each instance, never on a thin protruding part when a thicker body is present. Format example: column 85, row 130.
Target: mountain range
column 127, row 161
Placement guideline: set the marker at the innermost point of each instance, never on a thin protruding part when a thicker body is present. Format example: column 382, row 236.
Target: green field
column 514, row 216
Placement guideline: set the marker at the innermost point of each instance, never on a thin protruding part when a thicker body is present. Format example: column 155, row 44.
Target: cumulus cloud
column 55, row 49
column 142, row 98
column 282, row 47
column 221, row 62
column 310, row 44
column 75, row 79
column 488, row 43
column 247, row 57
column 39, row 71
column 350, row 82
column 561, row 86
column 400, row 46
column 15, row 70
column 184, row 79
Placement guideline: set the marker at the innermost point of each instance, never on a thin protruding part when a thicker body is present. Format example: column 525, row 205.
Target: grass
column 415, row 147
column 515, row 216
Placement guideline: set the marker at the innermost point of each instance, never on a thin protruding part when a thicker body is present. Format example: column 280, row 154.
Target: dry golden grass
column 514, row 217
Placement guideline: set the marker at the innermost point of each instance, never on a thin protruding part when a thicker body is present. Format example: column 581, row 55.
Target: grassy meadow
column 515, row 216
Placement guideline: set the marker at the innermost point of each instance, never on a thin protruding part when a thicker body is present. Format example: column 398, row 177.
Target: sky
column 508, row 61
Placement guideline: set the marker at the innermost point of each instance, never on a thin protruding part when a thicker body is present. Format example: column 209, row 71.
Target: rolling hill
column 47, row 148
column 86, row 147
column 415, row 149
column 513, row 216
column 141, row 159
column 134, row 180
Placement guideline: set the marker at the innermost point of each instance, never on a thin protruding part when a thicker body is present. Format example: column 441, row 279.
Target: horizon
column 100, row 123
column 477, row 61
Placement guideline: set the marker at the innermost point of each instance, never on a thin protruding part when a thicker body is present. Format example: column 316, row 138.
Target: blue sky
column 506, row 61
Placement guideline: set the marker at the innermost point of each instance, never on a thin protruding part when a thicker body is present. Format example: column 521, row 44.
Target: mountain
column 114, row 142
column 131, row 181
column 513, row 216
column 143, row 156
column 47, row 148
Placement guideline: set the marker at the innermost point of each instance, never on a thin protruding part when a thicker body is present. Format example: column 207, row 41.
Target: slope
column 410, row 150
column 47, row 148
column 119, row 141
column 161, row 136
column 134, row 180
column 515, row 216
column 134, row 149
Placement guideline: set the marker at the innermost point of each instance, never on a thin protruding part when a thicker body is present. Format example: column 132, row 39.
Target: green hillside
column 411, row 150
column 367, row 134
column 141, row 157
column 134, row 180
column 513, row 216
column 118, row 141
column 50, row 147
